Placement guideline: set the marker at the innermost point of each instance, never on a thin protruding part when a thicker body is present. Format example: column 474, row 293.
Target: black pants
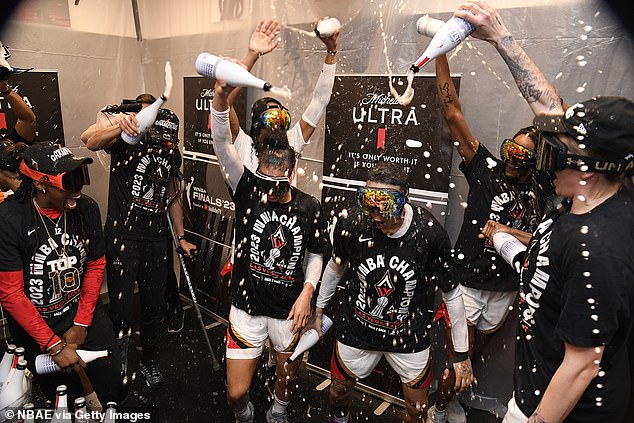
column 143, row 262
column 172, row 296
column 104, row 373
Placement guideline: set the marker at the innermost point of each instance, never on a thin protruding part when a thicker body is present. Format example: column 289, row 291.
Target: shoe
column 276, row 418
column 434, row 417
column 152, row 374
column 455, row 412
column 250, row 419
column 176, row 319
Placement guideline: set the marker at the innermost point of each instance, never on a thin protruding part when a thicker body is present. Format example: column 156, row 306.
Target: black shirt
column 137, row 197
column 577, row 287
column 271, row 242
column 390, row 282
column 492, row 197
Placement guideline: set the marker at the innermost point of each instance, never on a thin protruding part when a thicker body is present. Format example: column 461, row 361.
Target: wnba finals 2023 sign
column 365, row 125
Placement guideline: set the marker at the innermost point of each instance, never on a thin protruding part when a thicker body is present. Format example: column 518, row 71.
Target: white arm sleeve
column 329, row 280
column 313, row 268
column 455, row 307
column 230, row 164
column 321, row 95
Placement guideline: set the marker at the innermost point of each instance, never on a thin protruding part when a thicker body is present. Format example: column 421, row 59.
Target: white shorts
column 486, row 310
column 246, row 334
column 514, row 414
column 414, row 369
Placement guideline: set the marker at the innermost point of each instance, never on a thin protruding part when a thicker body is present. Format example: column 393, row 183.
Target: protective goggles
column 552, row 155
column 272, row 185
column 386, row 202
column 72, row 181
column 276, row 118
column 517, row 155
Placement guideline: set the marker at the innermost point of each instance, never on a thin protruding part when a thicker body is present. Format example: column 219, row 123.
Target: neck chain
column 57, row 229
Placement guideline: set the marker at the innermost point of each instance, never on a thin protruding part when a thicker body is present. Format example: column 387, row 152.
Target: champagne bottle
column 309, row 338
column 235, row 75
column 327, row 27
column 29, row 413
column 147, row 116
column 6, row 364
column 428, row 26
column 61, row 414
column 510, row 249
column 452, row 33
column 17, row 355
column 81, row 413
column 109, row 415
column 15, row 388
column 44, row 363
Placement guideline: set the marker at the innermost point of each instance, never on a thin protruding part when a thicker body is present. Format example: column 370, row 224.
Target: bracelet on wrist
column 54, row 353
column 181, row 237
column 332, row 53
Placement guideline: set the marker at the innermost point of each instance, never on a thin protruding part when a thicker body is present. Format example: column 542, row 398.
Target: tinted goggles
column 161, row 139
column 517, row 155
column 272, row 185
column 552, row 155
column 72, row 181
column 386, row 202
column 276, row 118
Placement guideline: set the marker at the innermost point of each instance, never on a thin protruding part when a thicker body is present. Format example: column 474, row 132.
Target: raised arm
column 25, row 123
column 263, row 40
column 541, row 95
column 460, row 132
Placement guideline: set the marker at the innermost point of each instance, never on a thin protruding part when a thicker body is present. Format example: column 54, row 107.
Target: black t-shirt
column 491, row 197
column 53, row 266
column 390, row 282
column 137, row 197
column 577, row 287
column 271, row 242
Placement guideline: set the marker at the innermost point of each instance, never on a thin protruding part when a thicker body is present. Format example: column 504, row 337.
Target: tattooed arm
column 541, row 95
column 461, row 135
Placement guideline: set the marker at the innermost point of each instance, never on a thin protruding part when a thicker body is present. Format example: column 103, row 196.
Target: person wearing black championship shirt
column 51, row 271
column 577, row 280
column 142, row 179
column 506, row 191
column 391, row 255
column 277, row 226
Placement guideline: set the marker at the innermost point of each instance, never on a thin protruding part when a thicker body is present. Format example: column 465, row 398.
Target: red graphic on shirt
column 277, row 238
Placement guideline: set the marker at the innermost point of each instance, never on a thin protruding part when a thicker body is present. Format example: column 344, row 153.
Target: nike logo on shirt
column 31, row 231
column 365, row 239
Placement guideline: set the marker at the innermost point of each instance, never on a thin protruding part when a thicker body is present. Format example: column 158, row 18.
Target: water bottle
column 6, row 364
column 452, row 33
column 510, row 249
column 44, row 363
column 309, row 338
column 327, row 27
column 428, row 26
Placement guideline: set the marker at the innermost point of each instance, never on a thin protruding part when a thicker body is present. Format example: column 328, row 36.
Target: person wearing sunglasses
column 143, row 177
column 278, row 227
column 268, row 112
column 395, row 255
column 504, row 191
column 576, row 282
column 51, row 272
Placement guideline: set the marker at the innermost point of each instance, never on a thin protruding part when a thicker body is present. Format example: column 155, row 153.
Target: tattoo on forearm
column 536, row 418
column 446, row 96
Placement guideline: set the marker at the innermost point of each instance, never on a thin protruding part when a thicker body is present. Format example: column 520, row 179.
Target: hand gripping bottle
column 452, row 33
column 327, row 27
column 44, row 363
column 147, row 115
column 510, row 249
column 309, row 338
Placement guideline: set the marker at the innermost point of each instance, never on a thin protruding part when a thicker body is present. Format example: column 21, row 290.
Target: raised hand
column 265, row 37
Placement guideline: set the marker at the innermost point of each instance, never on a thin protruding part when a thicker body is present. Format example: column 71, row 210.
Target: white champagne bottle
column 452, row 33
column 428, row 26
column 15, row 388
column 327, row 27
column 29, row 411
column 510, row 249
column 109, row 414
column 44, row 363
column 17, row 355
column 61, row 414
column 81, row 413
column 235, row 75
column 147, row 116
column 6, row 364
column 310, row 338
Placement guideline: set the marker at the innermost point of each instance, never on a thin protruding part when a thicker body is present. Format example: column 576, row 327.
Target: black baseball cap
column 603, row 124
column 52, row 158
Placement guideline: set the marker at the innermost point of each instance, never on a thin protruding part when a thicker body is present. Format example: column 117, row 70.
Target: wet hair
column 389, row 173
column 259, row 107
column 11, row 155
column 275, row 151
column 145, row 98
column 531, row 132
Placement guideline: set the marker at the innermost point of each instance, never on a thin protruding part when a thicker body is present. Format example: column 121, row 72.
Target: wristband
column 181, row 237
column 460, row 356
column 332, row 53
